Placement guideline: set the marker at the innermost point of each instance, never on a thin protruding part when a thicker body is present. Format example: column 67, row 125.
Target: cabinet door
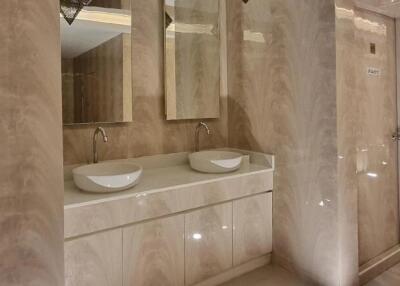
column 154, row 253
column 208, row 244
column 94, row 260
column 252, row 228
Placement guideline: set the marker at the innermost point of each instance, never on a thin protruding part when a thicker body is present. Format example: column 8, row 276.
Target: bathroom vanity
column 176, row 227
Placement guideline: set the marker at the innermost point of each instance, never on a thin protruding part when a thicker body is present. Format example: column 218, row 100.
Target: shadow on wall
column 240, row 126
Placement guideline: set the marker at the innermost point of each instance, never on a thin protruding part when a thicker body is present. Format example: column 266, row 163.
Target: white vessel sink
column 107, row 177
column 215, row 161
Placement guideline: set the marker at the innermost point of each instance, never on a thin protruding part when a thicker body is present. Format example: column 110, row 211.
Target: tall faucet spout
column 201, row 125
column 105, row 140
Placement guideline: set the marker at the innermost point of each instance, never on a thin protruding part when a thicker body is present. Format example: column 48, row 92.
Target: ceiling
column 389, row 8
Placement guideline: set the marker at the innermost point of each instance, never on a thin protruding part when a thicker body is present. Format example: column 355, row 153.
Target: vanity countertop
column 155, row 180
column 168, row 185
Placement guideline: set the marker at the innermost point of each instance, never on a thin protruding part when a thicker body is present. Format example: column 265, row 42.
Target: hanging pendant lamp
column 71, row 8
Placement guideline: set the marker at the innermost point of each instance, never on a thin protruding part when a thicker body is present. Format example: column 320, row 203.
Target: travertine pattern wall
column 282, row 100
column 31, row 177
column 149, row 133
column 347, row 105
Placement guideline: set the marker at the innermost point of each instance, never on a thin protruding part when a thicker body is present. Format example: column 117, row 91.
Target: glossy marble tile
column 237, row 271
column 154, row 253
column 31, row 191
column 252, row 228
column 388, row 278
column 347, row 118
column 268, row 276
column 282, row 100
column 208, row 242
column 379, row 265
column 94, row 260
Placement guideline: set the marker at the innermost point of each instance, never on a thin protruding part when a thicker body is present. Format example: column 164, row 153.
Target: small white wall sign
column 374, row 71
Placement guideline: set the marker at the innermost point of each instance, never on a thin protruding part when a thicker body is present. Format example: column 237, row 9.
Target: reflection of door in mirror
column 192, row 59
column 96, row 64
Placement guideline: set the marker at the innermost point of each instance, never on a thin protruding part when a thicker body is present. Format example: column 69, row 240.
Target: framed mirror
column 192, row 59
column 96, row 64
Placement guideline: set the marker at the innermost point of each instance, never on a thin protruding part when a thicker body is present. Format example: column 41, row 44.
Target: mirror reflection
column 192, row 59
column 96, row 64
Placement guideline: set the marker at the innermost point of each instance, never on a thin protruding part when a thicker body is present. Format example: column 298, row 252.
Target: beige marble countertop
column 161, row 173
column 155, row 180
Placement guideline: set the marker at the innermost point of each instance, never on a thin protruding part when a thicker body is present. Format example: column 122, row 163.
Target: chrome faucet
column 197, row 136
column 105, row 140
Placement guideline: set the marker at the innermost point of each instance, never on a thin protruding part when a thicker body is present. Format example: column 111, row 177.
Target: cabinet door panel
column 252, row 224
column 154, row 253
column 94, row 260
column 208, row 244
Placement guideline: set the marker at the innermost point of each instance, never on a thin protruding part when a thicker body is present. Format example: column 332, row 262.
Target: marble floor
column 267, row 276
column 388, row 278
column 274, row 276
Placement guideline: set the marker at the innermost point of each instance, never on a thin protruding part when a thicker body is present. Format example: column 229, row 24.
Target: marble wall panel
column 149, row 133
column 31, row 177
column 290, row 95
column 347, row 122
column 282, row 100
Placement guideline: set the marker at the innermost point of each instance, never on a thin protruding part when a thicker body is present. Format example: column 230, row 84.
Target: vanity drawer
column 94, row 260
column 154, row 253
column 208, row 242
column 252, row 228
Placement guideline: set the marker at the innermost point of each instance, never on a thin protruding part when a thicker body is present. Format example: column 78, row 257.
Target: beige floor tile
column 267, row 276
column 388, row 278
